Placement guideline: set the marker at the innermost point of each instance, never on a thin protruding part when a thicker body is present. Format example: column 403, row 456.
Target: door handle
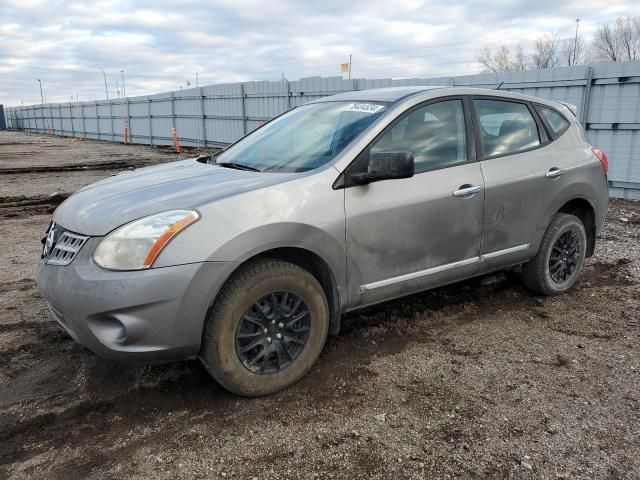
column 466, row 191
column 555, row 172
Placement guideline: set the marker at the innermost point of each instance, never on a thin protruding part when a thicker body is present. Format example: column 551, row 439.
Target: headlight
column 136, row 245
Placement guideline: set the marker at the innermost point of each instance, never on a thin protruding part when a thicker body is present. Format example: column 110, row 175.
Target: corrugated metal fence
column 607, row 97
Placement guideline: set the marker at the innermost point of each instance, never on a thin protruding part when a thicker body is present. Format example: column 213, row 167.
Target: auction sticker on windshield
column 363, row 107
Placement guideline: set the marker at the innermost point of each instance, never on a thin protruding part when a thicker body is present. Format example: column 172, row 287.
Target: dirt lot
column 471, row 380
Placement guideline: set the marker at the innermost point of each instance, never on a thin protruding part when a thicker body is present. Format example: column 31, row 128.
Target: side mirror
column 386, row 166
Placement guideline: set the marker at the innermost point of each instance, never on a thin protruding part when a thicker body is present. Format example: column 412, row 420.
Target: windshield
column 305, row 138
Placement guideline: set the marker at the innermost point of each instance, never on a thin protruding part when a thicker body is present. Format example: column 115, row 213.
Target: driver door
column 407, row 235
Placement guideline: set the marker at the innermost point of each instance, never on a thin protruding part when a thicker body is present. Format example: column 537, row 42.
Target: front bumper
column 145, row 316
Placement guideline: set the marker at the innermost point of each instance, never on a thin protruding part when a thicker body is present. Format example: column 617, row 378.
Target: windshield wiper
column 238, row 166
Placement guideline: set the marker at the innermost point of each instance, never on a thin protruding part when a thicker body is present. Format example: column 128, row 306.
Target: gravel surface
column 466, row 381
column 38, row 165
column 22, row 150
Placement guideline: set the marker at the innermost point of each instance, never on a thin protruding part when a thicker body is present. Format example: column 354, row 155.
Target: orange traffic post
column 176, row 140
column 126, row 132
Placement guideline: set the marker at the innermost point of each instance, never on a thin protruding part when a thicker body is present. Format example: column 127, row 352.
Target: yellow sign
column 344, row 67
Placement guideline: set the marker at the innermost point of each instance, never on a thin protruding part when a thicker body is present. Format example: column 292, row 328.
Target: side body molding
column 444, row 268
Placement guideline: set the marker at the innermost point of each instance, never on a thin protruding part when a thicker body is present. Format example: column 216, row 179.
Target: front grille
column 61, row 246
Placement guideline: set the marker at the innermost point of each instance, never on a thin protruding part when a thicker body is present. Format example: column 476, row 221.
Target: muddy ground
column 467, row 381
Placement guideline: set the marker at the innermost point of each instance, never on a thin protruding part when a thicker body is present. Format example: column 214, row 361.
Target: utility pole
column 106, row 90
column 124, row 90
column 196, row 79
column 575, row 43
column 117, row 89
column 41, row 95
column 349, row 66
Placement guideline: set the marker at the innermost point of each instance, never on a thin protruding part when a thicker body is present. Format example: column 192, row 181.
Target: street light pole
column 41, row 96
column 124, row 90
column 106, row 90
column 575, row 43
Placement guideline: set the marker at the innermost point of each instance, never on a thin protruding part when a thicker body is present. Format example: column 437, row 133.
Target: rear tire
column 258, row 339
column 557, row 265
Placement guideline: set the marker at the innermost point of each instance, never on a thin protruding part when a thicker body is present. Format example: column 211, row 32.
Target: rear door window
column 505, row 127
column 554, row 121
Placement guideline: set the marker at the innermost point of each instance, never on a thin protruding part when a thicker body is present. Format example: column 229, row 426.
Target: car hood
column 99, row 208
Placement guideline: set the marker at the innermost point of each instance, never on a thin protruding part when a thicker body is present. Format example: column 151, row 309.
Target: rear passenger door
column 520, row 167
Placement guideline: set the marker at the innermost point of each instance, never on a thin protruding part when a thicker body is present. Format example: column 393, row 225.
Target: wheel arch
column 582, row 208
column 319, row 268
column 581, row 199
column 305, row 258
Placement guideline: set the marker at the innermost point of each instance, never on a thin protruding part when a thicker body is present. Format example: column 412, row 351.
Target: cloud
column 161, row 47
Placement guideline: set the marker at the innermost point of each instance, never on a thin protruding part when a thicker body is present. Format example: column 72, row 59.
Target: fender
column 278, row 235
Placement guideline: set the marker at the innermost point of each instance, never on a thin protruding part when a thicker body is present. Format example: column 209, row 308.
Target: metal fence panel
column 607, row 97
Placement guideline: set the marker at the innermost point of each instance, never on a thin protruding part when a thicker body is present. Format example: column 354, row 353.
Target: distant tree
column 605, row 45
column 618, row 42
column 629, row 34
column 502, row 60
column 573, row 51
column 615, row 42
column 485, row 58
column 545, row 54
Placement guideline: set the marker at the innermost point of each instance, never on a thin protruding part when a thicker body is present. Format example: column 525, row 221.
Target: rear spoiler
column 572, row 108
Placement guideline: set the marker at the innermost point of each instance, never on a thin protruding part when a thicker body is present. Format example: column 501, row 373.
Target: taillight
column 600, row 155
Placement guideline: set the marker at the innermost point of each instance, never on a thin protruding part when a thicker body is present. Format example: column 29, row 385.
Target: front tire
column 266, row 328
column 557, row 265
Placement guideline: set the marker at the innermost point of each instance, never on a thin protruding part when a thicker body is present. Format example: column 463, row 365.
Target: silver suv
column 247, row 259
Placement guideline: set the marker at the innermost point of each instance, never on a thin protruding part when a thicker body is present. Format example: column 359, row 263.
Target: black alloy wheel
column 557, row 264
column 266, row 327
column 273, row 332
column 564, row 258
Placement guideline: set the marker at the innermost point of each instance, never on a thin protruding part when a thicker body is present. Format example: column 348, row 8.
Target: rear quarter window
column 506, row 127
column 555, row 122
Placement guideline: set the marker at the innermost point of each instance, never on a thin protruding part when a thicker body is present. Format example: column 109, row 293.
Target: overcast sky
column 160, row 45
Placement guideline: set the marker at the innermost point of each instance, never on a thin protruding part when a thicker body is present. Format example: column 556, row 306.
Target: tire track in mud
column 15, row 206
column 33, row 427
column 78, row 414
column 18, row 285
column 77, row 167
column 11, row 207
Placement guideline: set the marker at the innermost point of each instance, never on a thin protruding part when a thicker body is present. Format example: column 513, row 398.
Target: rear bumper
column 144, row 316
